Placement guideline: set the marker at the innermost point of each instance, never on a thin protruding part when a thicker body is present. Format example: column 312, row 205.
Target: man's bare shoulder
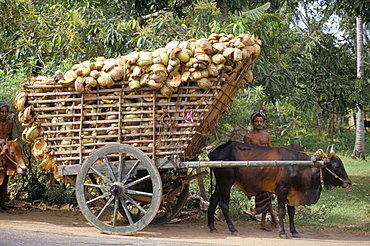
column 258, row 134
column 265, row 133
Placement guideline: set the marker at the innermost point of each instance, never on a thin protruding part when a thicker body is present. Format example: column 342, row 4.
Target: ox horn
column 327, row 151
column 330, row 150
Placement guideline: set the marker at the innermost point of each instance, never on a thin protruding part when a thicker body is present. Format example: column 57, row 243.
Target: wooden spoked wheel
column 119, row 189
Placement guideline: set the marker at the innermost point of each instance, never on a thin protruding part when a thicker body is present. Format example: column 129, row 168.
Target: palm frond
column 257, row 13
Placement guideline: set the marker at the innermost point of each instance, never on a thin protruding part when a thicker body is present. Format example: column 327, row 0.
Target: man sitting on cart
column 258, row 137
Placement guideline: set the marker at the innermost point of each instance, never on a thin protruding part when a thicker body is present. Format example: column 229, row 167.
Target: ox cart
column 127, row 147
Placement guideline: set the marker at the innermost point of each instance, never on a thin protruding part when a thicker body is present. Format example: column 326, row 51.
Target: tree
column 360, row 9
column 359, row 149
column 308, row 67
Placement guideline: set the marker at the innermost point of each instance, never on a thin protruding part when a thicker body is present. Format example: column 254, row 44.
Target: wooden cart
column 128, row 151
column 128, row 147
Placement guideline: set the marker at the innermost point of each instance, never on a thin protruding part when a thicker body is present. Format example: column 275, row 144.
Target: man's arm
column 269, row 140
column 3, row 151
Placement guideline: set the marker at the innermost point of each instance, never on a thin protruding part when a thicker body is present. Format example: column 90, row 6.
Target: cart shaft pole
column 67, row 170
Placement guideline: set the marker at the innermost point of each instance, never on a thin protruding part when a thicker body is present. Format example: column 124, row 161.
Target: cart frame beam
column 65, row 170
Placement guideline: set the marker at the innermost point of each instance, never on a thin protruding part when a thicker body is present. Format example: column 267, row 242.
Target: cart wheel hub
column 117, row 190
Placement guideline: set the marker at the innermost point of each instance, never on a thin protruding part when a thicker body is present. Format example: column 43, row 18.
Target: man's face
column 4, row 113
column 258, row 123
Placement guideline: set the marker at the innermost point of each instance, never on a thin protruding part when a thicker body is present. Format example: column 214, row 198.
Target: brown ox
column 293, row 185
column 11, row 161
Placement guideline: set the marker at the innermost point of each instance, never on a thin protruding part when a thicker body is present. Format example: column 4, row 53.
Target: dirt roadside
column 73, row 223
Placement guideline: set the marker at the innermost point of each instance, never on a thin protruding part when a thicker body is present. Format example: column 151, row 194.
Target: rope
column 331, row 172
column 321, row 178
column 14, row 162
column 298, row 151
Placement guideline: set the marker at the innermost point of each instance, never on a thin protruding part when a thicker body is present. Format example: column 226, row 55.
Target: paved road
column 57, row 228
column 11, row 237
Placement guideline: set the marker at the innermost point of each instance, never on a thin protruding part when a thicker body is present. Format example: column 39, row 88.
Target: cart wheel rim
column 117, row 192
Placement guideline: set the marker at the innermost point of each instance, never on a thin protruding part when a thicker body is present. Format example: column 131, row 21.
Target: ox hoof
column 235, row 233
column 296, row 235
column 213, row 231
column 283, row 236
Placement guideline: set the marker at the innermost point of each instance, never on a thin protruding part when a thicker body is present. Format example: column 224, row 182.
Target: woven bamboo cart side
column 76, row 124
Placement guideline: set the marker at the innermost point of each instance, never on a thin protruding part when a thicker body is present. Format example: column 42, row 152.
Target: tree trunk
column 222, row 6
column 359, row 150
column 360, row 48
